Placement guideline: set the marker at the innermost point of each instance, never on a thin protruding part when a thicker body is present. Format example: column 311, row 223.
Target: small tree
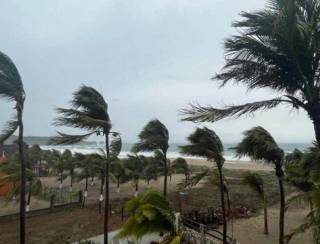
column 255, row 182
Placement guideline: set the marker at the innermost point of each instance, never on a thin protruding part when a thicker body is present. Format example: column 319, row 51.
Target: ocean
column 173, row 152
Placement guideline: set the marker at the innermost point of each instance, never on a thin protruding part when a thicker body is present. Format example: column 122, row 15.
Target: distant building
column 6, row 185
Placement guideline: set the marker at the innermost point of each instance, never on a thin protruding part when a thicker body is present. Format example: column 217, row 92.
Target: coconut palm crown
column 205, row 143
column 153, row 136
column 88, row 111
column 275, row 48
column 258, row 144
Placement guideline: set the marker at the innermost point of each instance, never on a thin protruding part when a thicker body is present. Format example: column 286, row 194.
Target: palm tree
column 275, row 48
column 155, row 136
column 89, row 112
column 181, row 165
column 86, row 166
column 12, row 174
column 149, row 213
column 151, row 169
column 255, row 182
column 11, row 88
column 59, row 161
column 134, row 166
column 260, row 145
column 118, row 172
column 206, row 143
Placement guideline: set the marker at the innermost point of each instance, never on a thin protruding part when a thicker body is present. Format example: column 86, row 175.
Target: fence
column 206, row 234
column 54, row 206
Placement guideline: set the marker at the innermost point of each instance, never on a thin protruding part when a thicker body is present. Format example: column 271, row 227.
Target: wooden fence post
column 51, row 201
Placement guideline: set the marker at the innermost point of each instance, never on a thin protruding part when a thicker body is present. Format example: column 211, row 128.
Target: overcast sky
column 149, row 58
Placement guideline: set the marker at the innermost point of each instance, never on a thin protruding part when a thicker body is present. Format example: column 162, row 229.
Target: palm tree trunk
column 101, row 193
column 118, row 184
column 71, row 181
column 85, row 192
column 223, row 208
column 165, row 174
column 23, row 178
column 29, row 197
column 280, row 174
column 106, row 203
column 265, row 210
column 314, row 115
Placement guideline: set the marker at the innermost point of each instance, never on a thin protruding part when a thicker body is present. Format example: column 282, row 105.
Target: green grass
column 206, row 195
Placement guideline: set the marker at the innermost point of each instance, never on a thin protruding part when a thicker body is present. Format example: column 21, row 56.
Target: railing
column 205, row 230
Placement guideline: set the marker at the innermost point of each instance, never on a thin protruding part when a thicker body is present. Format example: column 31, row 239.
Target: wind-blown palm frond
column 9, row 129
column 152, row 137
column 204, row 143
column 11, row 86
column 150, row 213
column 65, row 139
column 195, row 179
column 259, row 145
column 197, row 113
column 89, row 111
column 255, row 182
column 115, row 145
column 79, row 119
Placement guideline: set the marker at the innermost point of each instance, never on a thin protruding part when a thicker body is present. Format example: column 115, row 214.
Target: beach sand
column 233, row 164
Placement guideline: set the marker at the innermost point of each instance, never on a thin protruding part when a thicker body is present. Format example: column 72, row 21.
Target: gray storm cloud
column 149, row 59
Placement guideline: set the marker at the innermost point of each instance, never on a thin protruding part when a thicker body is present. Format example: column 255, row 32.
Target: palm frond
column 255, row 182
column 197, row 113
column 259, row 145
column 115, row 145
column 11, row 86
column 9, row 129
column 152, row 137
column 195, row 179
column 204, row 143
column 64, row 139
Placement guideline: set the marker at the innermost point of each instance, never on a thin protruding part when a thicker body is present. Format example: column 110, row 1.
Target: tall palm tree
column 277, row 48
column 155, row 137
column 259, row 145
column 255, row 182
column 11, row 88
column 89, row 112
column 206, row 143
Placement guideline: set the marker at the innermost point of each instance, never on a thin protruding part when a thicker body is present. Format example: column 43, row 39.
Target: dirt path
column 59, row 227
column 250, row 231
